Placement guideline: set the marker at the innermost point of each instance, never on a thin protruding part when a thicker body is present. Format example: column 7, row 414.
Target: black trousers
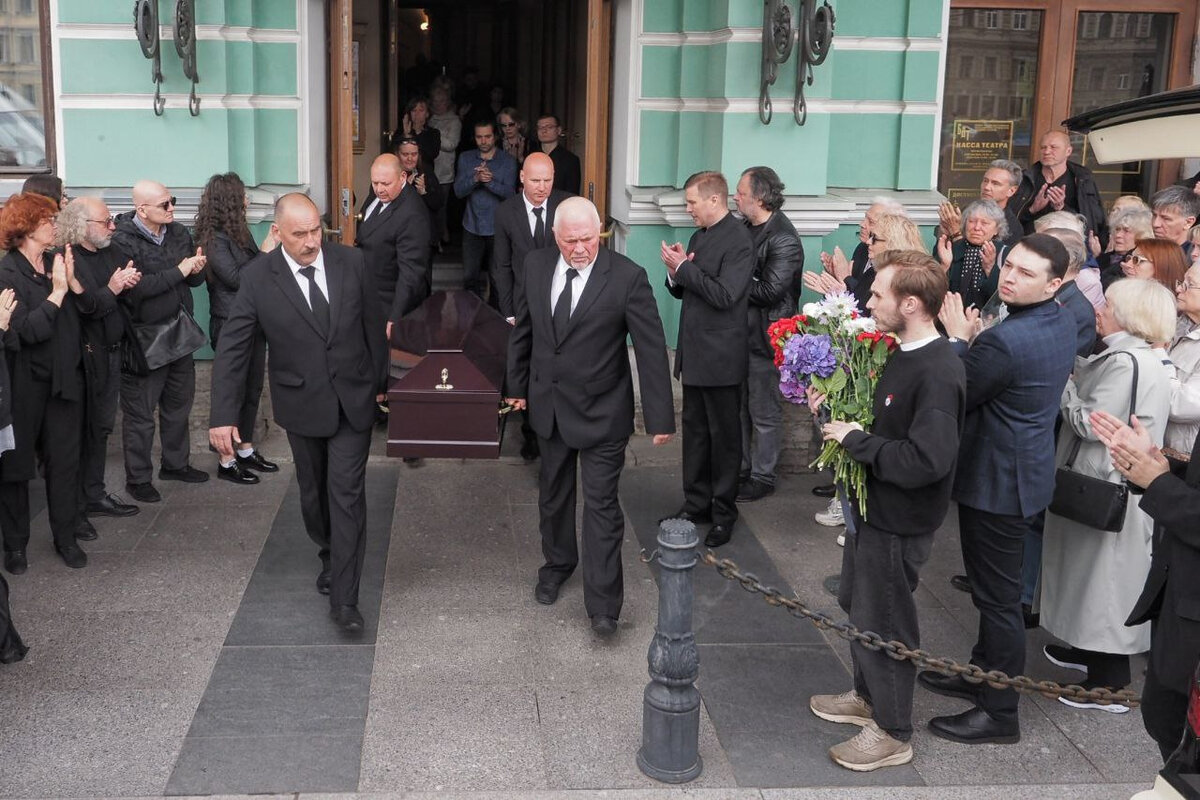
column 255, row 372
column 992, row 548
column 1164, row 711
column 603, row 522
column 331, row 473
column 55, row 426
column 477, row 262
column 712, row 450
column 170, row 389
column 100, row 415
column 880, row 572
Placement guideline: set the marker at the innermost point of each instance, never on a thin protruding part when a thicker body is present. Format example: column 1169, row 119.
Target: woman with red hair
column 1160, row 259
column 45, row 364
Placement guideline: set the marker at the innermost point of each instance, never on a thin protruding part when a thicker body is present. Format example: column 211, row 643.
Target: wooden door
column 596, row 108
column 341, row 121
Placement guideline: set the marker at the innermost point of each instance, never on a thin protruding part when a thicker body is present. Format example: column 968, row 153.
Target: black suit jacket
column 513, row 241
column 1172, row 593
column 313, row 378
column 395, row 242
column 583, row 385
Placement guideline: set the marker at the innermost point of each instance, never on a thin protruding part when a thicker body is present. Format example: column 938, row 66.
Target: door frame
column 1057, row 46
column 341, row 134
column 596, row 104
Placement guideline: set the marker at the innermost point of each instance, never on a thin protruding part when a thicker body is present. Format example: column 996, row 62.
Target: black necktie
column 317, row 299
column 562, row 309
column 539, row 228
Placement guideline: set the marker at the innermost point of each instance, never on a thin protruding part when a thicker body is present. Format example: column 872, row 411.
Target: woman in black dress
column 224, row 235
column 12, row 649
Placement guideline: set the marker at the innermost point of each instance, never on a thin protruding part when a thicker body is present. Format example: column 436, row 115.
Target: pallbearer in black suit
column 712, row 278
column 318, row 309
column 567, row 358
column 394, row 239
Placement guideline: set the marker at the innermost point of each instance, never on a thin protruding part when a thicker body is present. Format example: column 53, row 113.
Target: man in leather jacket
column 1057, row 184
column 774, row 291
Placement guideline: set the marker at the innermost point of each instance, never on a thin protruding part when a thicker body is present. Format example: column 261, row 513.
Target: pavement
column 194, row 657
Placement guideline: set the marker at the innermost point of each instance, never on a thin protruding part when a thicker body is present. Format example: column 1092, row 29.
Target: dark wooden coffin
column 448, row 375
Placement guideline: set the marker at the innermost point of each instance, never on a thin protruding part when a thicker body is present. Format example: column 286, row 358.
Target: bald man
column 394, row 239
column 317, row 307
column 1055, row 183
column 568, row 360
column 170, row 265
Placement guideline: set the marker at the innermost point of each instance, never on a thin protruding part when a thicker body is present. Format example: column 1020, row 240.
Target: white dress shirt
column 375, row 206
column 318, row 275
column 560, row 282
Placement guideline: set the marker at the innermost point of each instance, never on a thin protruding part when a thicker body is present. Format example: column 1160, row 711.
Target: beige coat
column 1185, row 396
column 1091, row 579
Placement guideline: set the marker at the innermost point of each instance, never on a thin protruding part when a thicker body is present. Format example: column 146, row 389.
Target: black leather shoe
column 974, row 726
column 72, row 555
column 143, row 492
column 347, row 618
column 324, row 579
column 85, row 531
column 188, row 474
column 529, row 450
column 111, row 506
column 948, row 685
column 15, row 562
column 546, row 593
column 825, row 490
column 718, row 535
column 603, row 626
column 962, row 583
column 236, row 473
column 754, row 490
column 256, row 462
column 699, row 518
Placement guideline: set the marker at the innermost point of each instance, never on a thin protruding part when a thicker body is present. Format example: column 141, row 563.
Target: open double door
column 593, row 49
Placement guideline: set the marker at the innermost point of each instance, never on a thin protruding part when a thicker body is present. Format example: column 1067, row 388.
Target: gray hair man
column 1174, row 211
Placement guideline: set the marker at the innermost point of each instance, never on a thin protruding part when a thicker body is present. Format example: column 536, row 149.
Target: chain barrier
column 972, row 673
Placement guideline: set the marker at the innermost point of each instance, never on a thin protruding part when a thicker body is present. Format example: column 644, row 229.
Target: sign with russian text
column 978, row 142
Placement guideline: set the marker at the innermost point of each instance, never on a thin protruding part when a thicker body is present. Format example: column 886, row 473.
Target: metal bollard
column 670, row 749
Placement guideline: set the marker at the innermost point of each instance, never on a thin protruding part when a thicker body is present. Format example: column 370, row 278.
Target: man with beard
column 484, row 177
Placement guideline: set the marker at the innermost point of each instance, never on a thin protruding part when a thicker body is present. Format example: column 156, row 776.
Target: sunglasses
column 1136, row 260
column 164, row 205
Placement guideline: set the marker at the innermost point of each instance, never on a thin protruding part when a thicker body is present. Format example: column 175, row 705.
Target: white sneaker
column 841, row 539
column 832, row 516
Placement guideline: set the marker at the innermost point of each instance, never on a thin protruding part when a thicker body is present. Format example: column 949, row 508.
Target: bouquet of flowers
column 838, row 351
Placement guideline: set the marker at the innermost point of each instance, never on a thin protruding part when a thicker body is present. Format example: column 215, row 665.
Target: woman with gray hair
column 1126, row 225
column 1092, row 578
column 972, row 262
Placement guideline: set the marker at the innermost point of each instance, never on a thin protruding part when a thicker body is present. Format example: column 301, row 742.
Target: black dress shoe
column 188, row 474
column 236, row 473
column 546, row 593
column 529, row 450
column 143, row 492
column 962, row 583
column 85, row 531
column 698, row 518
column 825, row 490
column 256, row 462
column 718, row 535
column 347, row 618
column 604, row 626
column 324, row 579
column 754, row 490
column 72, row 555
column 111, row 506
column 949, row 685
column 15, row 562
column 975, row 726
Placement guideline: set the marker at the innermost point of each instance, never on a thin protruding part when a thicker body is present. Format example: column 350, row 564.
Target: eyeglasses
column 1136, row 259
column 873, row 239
column 1185, row 285
column 508, row 124
column 165, row 204
column 104, row 222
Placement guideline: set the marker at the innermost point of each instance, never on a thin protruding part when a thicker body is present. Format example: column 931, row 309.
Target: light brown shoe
column 848, row 707
column 870, row 750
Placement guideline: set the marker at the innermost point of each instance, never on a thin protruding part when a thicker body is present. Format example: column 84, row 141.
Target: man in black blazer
column 524, row 222
column 1171, row 597
column 394, row 239
column 318, row 309
column 568, row 359
column 568, row 176
column 712, row 278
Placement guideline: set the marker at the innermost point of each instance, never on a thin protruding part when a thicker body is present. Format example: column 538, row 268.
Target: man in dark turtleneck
column 909, row 454
column 1016, row 371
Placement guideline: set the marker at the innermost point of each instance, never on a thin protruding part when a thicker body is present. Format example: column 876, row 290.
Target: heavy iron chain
column 972, row 673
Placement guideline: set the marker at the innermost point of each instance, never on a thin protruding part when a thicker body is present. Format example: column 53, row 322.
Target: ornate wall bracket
column 813, row 30
column 145, row 23
column 185, row 46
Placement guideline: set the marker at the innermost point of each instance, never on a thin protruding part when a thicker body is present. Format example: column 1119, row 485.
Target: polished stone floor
column 194, row 657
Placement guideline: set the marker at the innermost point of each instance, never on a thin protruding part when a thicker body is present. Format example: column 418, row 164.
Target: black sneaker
column 1065, row 657
column 188, row 474
column 143, row 492
column 754, row 489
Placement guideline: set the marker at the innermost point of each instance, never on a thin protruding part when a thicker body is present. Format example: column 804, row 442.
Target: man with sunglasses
column 170, row 265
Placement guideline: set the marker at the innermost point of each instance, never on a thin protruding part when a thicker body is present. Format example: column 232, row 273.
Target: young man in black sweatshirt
column 910, row 454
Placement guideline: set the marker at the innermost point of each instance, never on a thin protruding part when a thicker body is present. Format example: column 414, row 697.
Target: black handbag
column 170, row 340
column 1093, row 502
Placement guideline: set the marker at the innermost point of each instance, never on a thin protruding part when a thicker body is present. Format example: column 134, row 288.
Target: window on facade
column 992, row 19
column 1020, row 69
column 966, row 66
column 1144, row 22
column 956, row 16
column 989, row 68
column 1089, row 26
column 23, row 111
column 1020, row 20
column 1120, row 26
